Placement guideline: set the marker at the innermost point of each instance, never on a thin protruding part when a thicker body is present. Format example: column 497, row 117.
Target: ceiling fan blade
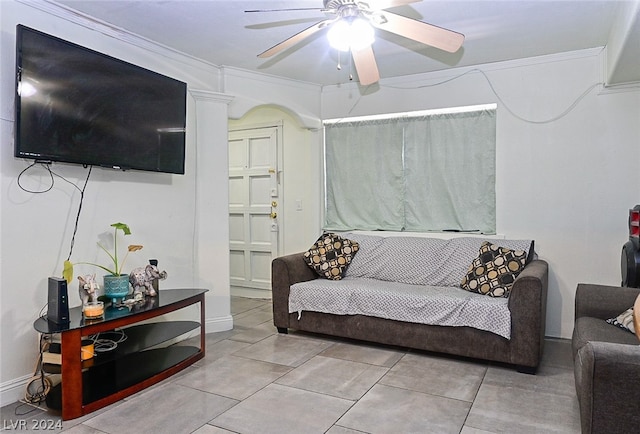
column 385, row 4
column 366, row 66
column 285, row 10
column 298, row 37
column 428, row 34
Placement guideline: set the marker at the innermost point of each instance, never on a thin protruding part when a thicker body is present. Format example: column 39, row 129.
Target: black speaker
column 58, row 306
column 630, row 265
column 630, row 261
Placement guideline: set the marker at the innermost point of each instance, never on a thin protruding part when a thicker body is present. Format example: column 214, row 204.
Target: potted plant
column 116, row 284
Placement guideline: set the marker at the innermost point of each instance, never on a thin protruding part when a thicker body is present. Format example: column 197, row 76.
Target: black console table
column 134, row 365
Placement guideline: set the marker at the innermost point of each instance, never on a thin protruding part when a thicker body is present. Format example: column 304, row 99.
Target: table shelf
column 100, row 382
column 144, row 336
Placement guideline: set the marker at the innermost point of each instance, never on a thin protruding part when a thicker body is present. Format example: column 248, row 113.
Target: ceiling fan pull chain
column 350, row 69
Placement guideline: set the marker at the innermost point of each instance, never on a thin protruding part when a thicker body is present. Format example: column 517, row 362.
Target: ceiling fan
column 352, row 30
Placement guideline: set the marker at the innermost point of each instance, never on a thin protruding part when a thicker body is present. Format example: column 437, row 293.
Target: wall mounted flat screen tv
column 76, row 105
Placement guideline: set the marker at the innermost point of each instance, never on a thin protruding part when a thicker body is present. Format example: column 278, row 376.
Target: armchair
column 606, row 361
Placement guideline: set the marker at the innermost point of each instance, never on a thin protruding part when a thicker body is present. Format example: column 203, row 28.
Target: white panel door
column 254, row 196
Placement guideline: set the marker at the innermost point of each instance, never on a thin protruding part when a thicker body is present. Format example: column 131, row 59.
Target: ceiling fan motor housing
column 346, row 9
column 337, row 4
column 630, row 261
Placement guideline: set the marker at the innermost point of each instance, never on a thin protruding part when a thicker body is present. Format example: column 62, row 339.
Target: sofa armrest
column 600, row 301
column 528, row 306
column 285, row 271
column 607, row 387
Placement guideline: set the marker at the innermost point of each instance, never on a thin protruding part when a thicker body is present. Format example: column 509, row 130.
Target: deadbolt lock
column 274, row 204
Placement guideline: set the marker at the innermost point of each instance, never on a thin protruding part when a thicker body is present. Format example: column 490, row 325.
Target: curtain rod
column 414, row 114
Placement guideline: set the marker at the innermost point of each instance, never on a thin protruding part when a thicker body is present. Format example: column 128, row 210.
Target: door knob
column 273, row 215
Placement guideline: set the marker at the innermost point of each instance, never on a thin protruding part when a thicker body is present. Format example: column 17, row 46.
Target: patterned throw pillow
column 624, row 320
column 331, row 255
column 494, row 270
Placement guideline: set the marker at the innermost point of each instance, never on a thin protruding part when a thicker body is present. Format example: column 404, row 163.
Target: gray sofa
column 526, row 304
column 606, row 361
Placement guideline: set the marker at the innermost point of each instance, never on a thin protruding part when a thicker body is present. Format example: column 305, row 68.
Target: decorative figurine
column 142, row 279
column 87, row 289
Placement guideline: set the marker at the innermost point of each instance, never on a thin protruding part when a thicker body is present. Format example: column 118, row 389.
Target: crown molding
column 444, row 74
column 73, row 16
column 207, row 95
column 231, row 71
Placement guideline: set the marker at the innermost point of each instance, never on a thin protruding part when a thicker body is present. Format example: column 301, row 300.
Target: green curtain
column 364, row 176
column 416, row 173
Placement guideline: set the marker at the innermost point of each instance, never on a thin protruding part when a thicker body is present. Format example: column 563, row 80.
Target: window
column 421, row 171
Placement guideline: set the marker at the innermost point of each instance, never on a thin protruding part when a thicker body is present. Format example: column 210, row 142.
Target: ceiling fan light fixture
column 362, row 34
column 338, row 35
column 355, row 34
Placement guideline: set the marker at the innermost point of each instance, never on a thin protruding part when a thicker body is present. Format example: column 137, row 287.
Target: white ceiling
column 220, row 32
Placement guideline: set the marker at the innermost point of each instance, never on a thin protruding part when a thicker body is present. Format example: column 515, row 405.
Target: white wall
column 623, row 51
column 179, row 219
column 568, row 183
column 253, row 90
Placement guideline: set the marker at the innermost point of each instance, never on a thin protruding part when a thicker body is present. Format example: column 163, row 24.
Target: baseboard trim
column 239, row 291
column 13, row 390
column 219, row 324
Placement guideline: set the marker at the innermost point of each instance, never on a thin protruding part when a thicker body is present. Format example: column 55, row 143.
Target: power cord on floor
column 39, row 384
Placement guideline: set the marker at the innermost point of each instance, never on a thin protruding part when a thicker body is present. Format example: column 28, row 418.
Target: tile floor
column 254, row 380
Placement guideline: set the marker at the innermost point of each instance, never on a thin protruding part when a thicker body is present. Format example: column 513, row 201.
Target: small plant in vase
column 116, row 284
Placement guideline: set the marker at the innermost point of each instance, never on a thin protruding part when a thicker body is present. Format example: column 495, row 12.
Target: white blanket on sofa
column 444, row 306
column 409, row 279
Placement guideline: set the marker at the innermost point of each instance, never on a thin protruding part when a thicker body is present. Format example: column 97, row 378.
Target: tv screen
column 76, row 105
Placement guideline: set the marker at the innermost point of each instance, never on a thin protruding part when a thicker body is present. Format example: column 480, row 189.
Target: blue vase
column 116, row 287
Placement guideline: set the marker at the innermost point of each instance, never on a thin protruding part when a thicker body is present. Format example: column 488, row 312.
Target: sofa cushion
column 330, row 255
column 443, row 306
column 624, row 321
column 418, row 260
column 590, row 329
column 494, row 270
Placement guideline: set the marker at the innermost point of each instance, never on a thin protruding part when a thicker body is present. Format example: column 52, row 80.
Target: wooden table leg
column 202, row 327
column 71, row 374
